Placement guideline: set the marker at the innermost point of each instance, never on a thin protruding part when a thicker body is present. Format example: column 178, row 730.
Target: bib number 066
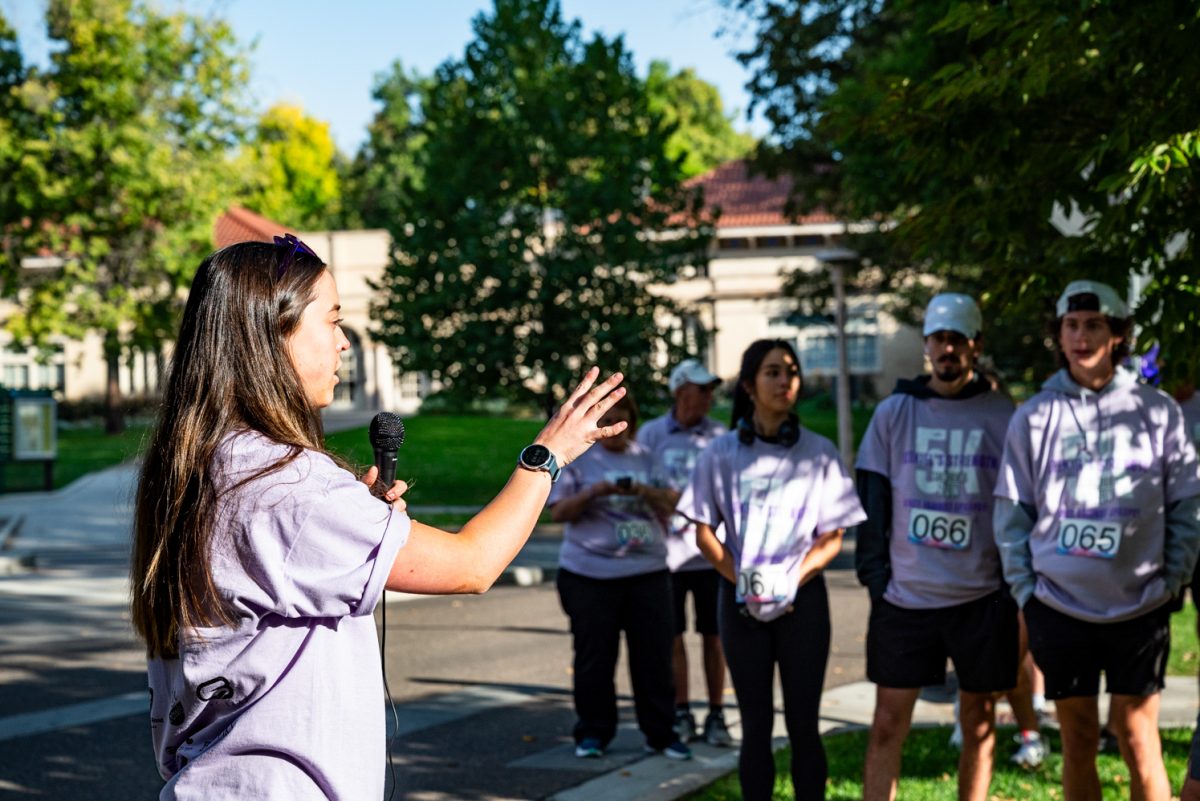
column 939, row 529
column 1095, row 538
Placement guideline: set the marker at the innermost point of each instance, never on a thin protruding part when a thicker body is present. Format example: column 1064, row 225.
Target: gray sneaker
column 685, row 726
column 715, row 731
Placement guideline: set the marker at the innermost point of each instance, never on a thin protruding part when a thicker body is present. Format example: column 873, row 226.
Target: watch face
column 536, row 455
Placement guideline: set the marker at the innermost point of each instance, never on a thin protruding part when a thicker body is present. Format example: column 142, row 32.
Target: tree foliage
column 554, row 208
column 704, row 137
column 123, row 166
column 969, row 124
column 374, row 184
column 290, row 171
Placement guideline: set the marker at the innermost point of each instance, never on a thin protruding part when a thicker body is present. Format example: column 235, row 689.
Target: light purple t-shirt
column 773, row 501
column 1100, row 469
column 941, row 457
column 286, row 703
column 675, row 450
column 617, row 535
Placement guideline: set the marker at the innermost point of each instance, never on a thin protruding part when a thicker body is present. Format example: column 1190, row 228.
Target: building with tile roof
column 739, row 297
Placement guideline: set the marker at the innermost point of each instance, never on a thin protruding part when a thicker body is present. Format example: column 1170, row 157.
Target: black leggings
column 799, row 643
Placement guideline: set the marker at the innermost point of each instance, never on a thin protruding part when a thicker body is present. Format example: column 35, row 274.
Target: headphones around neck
column 787, row 436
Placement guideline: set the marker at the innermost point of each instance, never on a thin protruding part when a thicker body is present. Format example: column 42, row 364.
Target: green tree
column 970, row 124
column 554, row 210
column 123, row 170
column 704, row 137
column 290, row 164
column 374, row 183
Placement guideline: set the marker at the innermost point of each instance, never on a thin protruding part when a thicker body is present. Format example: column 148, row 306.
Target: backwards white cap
column 951, row 311
column 1109, row 304
column 690, row 371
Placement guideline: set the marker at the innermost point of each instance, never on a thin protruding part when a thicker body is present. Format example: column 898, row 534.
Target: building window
column 818, row 354
column 771, row 242
column 733, row 243
column 809, row 240
column 16, row 376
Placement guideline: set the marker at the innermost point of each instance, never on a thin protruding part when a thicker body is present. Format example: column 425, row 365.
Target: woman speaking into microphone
column 784, row 498
column 259, row 559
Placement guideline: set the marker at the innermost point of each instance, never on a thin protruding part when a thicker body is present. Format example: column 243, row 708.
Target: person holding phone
column 613, row 578
column 259, row 559
column 785, row 499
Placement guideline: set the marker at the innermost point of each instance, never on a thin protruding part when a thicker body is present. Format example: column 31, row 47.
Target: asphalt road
column 481, row 685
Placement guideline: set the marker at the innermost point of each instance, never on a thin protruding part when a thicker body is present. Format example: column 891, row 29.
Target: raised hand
column 573, row 429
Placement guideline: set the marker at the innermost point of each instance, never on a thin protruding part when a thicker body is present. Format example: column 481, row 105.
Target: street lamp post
column 833, row 259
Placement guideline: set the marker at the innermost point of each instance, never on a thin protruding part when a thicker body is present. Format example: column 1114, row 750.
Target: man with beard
column 926, row 470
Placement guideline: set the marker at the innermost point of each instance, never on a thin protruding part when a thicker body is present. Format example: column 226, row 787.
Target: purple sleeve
column 1181, row 477
column 569, row 482
column 1015, row 480
column 840, row 506
column 873, row 450
column 339, row 560
column 699, row 500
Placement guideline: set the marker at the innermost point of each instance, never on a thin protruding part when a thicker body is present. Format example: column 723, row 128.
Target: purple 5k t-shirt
column 675, row 450
column 1100, row 468
column 287, row 702
column 941, row 456
column 617, row 535
column 773, row 501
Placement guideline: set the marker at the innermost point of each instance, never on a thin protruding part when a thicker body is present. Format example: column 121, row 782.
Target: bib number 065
column 1095, row 538
column 939, row 529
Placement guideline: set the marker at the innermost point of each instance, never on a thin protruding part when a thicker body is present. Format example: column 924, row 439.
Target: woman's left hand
column 573, row 429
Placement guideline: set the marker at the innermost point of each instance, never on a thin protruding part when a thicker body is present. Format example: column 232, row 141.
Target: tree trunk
column 114, row 418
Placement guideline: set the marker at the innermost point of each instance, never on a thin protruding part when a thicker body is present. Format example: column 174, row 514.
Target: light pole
column 834, row 259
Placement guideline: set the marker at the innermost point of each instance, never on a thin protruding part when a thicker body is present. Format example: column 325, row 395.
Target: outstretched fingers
column 601, row 397
column 608, row 431
column 589, row 378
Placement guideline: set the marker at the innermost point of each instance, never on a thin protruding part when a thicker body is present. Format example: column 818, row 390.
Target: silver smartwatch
column 539, row 457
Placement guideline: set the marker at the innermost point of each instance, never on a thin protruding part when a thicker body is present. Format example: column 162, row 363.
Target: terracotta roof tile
column 242, row 225
column 747, row 200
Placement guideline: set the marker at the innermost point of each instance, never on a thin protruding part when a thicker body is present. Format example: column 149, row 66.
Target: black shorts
column 702, row 584
column 907, row 648
column 1072, row 652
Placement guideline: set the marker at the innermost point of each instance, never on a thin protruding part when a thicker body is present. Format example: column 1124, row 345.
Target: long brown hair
column 230, row 371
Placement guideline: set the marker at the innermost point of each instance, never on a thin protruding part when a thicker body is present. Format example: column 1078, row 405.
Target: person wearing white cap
column 1098, row 526
column 675, row 439
column 926, row 470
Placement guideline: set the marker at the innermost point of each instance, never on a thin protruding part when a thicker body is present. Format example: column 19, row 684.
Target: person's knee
column 891, row 722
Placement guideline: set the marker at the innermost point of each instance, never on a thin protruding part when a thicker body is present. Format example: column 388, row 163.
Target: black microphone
column 387, row 435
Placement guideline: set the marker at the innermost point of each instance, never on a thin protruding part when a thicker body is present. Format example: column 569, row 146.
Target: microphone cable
column 388, row 693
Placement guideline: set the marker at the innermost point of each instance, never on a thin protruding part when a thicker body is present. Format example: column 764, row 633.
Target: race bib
column 764, row 584
column 1095, row 538
column 939, row 529
column 634, row 533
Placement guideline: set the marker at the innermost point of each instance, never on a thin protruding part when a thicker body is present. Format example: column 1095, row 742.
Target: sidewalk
column 78, row 540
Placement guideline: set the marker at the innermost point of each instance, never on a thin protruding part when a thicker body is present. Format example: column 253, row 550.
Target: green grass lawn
column 1185, row 650
column 81, row 450
column 930, row 768
column 448, row 460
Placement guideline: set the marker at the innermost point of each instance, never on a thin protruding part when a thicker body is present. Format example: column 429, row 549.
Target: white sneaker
column 956, row 737
column 1031, row 754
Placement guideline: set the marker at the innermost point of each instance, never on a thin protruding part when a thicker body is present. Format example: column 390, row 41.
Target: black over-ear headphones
column 787, row 436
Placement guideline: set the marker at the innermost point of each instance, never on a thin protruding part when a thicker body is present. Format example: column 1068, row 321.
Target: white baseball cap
column 951, row 311
column 1110, row 302
column 690, row 371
